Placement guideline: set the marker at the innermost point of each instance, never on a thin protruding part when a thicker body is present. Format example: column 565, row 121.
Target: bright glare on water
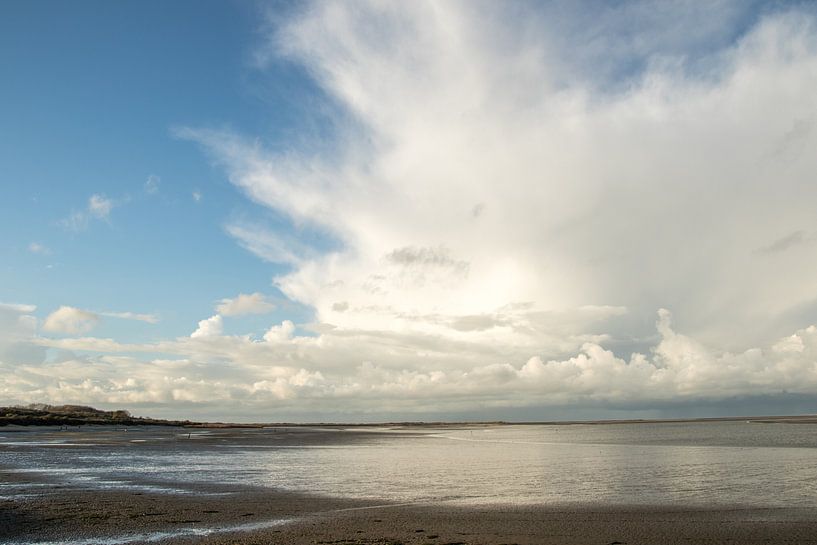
column 724, row 463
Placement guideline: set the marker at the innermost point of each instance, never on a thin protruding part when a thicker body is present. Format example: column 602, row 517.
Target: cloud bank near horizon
column 504, row 201
column 423, row 374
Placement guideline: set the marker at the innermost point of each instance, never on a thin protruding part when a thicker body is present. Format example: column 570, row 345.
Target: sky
column 380, row 211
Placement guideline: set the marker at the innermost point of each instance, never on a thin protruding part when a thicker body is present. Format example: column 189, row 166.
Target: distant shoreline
column 75, row 415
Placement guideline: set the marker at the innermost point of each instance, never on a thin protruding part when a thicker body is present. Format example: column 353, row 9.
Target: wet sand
column 74, row 515
column 261, row 516
column 545, row 526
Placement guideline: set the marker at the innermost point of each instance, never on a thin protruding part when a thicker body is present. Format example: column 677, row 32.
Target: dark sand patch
column 545, row 525
column 80, row 514
column 274, row 517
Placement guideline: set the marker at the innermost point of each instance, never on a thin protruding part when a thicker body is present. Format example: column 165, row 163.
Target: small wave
column 154, row 537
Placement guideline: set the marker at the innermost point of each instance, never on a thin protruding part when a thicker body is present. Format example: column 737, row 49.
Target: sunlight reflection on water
column 667, row 463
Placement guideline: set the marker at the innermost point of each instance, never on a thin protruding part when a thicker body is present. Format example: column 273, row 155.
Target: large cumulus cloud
column 505, row 199
column 482, row 159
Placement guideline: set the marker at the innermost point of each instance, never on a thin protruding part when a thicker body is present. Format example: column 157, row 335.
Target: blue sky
column 374, row 210
column 91, row 94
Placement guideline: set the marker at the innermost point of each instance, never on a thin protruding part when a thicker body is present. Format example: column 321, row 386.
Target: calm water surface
column 665, row 463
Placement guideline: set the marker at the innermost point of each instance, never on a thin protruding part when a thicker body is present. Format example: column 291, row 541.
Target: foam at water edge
column 153, row 537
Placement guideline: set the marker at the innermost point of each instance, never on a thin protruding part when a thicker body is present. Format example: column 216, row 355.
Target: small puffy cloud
column 152, row 184
column 197, row 196
column 73, row 320
column 211, row 327
column 100, row 206
column 37, row 248
column 70, row 320
column 254, row 303
column 280, row 333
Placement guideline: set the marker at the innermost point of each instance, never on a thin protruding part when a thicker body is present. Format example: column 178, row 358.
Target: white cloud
column 75, row 321
column 18, row 307
column 197, row 196
column 280, row 333
column 17, row 326
column 254, row 303
column 100, row 206
column 541, row 177
column 510, row 196
column 268, row 245
column 152, row 184
column 70, row 320
column 76, row 221
column 37, row 248
column 148, row 318
column 211, row 327
column 364, row 371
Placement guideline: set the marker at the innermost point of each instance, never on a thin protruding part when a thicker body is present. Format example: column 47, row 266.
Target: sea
column 689, row 463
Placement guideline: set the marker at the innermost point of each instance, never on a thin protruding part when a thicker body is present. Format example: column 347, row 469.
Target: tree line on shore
column 39, row 414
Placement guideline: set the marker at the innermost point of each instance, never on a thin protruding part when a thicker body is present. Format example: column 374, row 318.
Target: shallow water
column 711, row 463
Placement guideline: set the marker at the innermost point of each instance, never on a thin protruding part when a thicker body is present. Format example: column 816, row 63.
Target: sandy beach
column 256, row 517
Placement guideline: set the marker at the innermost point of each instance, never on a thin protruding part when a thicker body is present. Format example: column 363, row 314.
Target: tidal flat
column 681, row 482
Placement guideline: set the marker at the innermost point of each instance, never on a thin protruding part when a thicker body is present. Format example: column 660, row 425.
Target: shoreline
column 71, row 415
